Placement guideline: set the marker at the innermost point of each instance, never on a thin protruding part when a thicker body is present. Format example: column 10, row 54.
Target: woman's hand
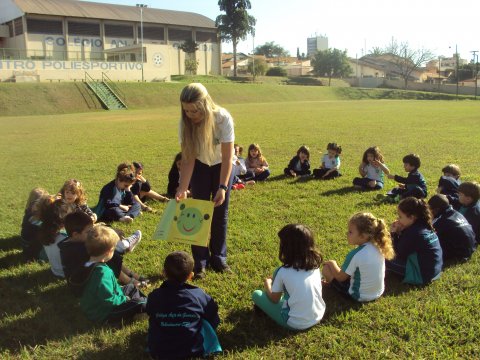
column 181, row 194
column 219, row 197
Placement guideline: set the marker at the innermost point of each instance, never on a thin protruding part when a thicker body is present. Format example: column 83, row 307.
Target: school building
column 57, row 40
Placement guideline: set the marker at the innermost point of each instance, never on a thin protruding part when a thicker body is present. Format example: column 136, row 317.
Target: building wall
column 359, row 70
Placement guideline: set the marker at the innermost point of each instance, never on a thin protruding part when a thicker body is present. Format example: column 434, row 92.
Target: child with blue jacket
column 450, row 181
column 418, row 252
column 116, row 202
column 414, row 184
column 182, row 317
column 468, row 204
column 453, row 230
column 300, row 163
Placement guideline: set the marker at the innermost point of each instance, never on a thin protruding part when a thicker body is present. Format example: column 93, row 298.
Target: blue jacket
column 419, row 247
column 414, row 178
column 176, row 311
column 449, row 186
column 455, row 234
column 105, row 200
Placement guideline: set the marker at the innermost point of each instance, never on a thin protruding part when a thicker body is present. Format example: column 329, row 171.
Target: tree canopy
column 331, row 63
column 270, row 50
column 235, row 24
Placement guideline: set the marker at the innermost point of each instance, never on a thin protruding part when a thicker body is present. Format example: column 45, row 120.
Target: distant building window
column 18, row 25
column 152, row 32
column 37, row 26
column 179, row 35
column 119, row 31
column 202, row 36
column 82, row 28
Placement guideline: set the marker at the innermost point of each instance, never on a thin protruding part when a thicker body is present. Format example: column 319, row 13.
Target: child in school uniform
column 102, row 297
column 30, row 230
column 299, row 165
column 450, row 181
column 293, row 296
column 257, row 165
column 182, row 317
column 330, row 166
column 372, row 170
column 73, row 194
column 455, row 234
column 74, row 255
column 362, row 275
column 418, row 252
column 116, row 202
column 468, row 204
column 414, row 184
column 141, row 189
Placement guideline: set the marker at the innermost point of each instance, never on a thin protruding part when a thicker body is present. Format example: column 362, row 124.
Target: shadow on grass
column 11, row 243
column 251, row 329
column 275, row 178
column 12, row 260
column 341, row 191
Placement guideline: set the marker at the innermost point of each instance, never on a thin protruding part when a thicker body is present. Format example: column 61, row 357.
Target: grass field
column 40, row 319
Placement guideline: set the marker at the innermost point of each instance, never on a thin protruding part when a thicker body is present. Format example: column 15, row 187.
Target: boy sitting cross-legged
column 183, row 317
column 102, row 297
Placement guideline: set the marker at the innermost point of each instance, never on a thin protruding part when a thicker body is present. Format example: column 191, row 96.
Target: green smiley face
column 189, row 222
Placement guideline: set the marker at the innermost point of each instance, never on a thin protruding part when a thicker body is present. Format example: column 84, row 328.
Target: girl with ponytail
column 419, row 254
column 362, row 274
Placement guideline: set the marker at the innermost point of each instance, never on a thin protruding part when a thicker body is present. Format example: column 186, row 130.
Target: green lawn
column 40, row 319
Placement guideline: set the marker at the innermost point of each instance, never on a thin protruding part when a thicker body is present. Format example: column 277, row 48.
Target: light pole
column 141, row 6
column 253, row 55
column 456, row 66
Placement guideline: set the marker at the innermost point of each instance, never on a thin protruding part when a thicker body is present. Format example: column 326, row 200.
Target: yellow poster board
column 186, row 222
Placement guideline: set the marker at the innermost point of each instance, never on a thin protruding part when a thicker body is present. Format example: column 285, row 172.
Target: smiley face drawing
column 189, row 222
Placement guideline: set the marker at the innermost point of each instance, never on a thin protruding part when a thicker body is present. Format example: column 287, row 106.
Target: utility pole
column 475, row 60
column 141, row 6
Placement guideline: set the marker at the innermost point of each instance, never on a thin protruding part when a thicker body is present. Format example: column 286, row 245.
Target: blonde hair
column 197, row 137
column 260, row 157
column 376, row 231
column 76, row 187
column 100, row 240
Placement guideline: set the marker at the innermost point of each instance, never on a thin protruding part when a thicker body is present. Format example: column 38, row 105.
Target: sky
column 352, row 25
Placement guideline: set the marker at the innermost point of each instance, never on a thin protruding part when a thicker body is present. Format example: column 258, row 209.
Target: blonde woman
column 207, row 136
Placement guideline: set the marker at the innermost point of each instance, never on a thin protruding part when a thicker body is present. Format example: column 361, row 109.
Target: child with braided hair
column 362, row 274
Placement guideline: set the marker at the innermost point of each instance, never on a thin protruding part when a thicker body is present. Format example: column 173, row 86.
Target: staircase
column 107, row 92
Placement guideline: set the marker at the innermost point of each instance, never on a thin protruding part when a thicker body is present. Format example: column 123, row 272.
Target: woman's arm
column 186, row 171
column 225, row 172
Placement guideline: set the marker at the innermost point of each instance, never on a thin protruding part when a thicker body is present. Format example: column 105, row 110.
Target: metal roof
column 91, row 10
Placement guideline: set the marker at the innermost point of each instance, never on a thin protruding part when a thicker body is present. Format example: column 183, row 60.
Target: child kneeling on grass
column 418, row 252
column 102, row 298
column 183, row 318
column 293, row 296
column 362, row 274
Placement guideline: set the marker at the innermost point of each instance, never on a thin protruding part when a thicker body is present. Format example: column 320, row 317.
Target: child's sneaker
column 234, row 187
column 240, row 186
column 133, row 240
column 250, row 182
column 126, row 219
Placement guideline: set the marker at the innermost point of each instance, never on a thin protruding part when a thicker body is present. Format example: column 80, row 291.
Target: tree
column 276, row 71
column 270, row 50
column 376, row 51
column 235, row 24
column 331, row 63
column 191, row 64
column 405, row 59
column 259, row 69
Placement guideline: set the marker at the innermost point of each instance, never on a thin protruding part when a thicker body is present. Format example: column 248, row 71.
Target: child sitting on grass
column 257, row 165
column 182, row 317
column 449, row 182
column 116, row 202
column 371, row 169
column 299, row 165
column 468, row 204
column 418, row 253
column 73, row 194
column 293, row 296
column 413, row 185
column 456, row 235
column 30, row 230
column 330, row 166
column 102, row 298
column 141, row 189
column 362, row 274
column 74, row 255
